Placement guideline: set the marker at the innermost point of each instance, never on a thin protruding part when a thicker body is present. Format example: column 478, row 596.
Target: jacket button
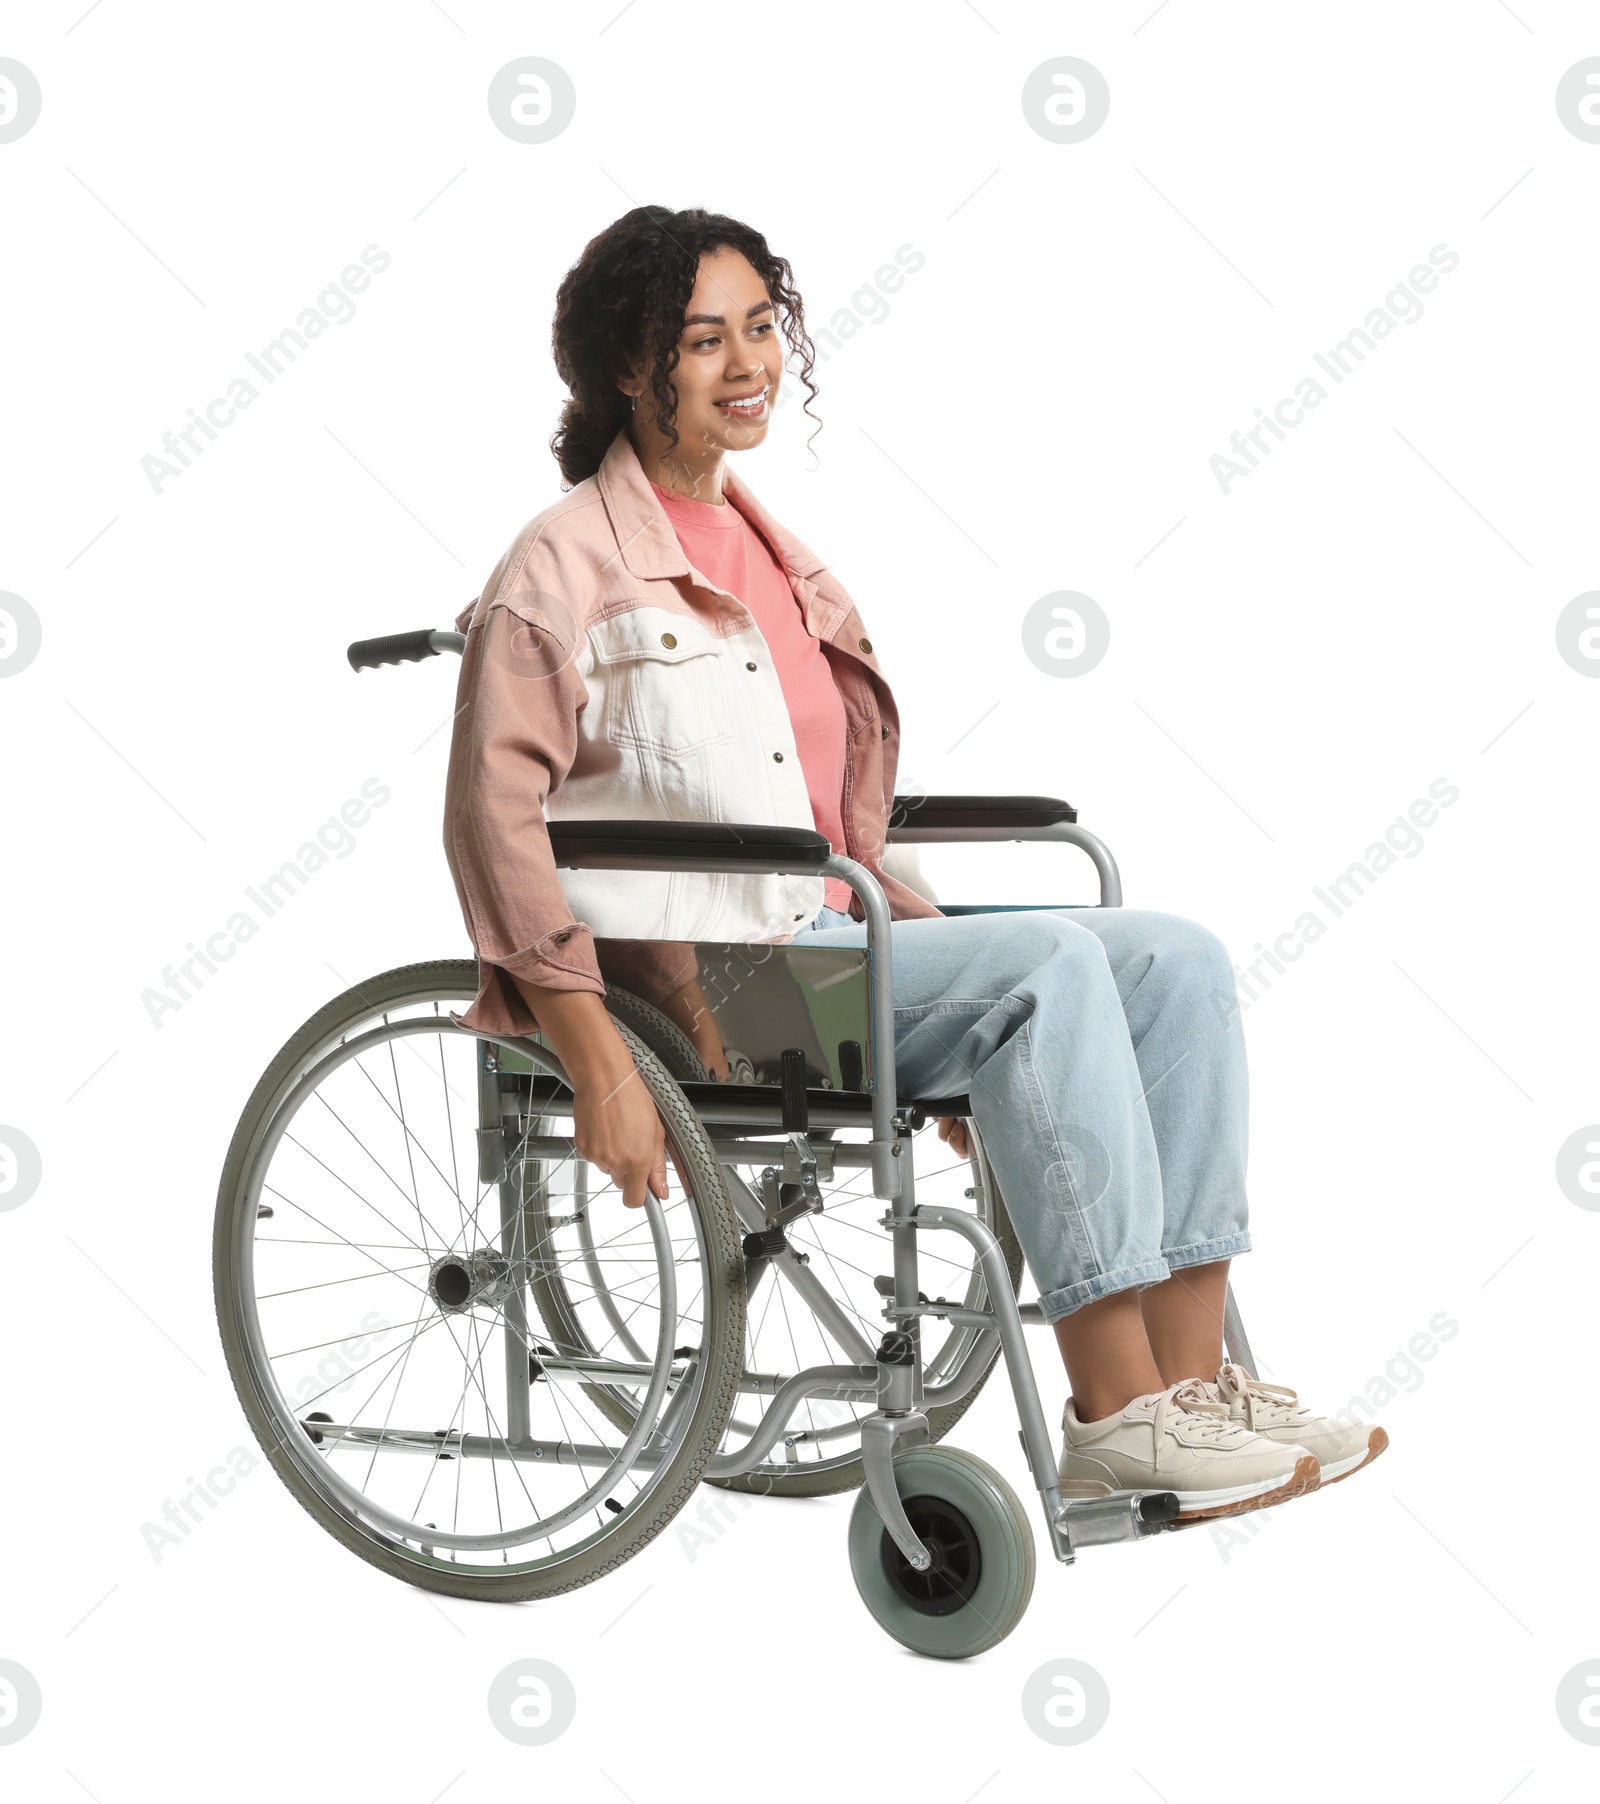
column 562, row 938
column 749, row 666
column 668, row 640
column 886, row 732
column 866, row 646
column 777, row 757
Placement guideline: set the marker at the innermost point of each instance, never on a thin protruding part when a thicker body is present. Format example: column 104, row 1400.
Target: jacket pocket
column 665, row 686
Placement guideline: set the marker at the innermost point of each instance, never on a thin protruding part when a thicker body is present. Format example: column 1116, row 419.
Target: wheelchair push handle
column 402, row 648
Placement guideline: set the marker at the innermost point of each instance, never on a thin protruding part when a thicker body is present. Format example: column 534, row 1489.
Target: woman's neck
column 699, row 479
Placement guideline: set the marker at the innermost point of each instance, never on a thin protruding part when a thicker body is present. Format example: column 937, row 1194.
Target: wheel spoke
column 360, row 1278
column 410, row 1246
column 351, row 1187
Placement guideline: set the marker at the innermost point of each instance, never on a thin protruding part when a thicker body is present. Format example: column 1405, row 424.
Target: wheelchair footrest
column 1118, row 1516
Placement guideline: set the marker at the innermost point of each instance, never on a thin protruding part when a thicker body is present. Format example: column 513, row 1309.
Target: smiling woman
column 665, row 650
column 610, row 305
column 729, row 361
column 656, row 647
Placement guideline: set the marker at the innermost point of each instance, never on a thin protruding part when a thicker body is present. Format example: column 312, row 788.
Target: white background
column 1372, row 609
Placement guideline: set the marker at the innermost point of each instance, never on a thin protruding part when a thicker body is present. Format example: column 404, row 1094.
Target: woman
column 655, row 645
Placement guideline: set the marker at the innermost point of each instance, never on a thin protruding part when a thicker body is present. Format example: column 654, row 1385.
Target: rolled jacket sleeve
column 514, row 740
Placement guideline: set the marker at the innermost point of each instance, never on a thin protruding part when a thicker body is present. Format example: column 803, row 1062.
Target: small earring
column 633, row 404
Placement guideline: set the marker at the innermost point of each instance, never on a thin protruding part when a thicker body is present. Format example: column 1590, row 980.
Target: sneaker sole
column 1307, row 1475
column 1376, row 1442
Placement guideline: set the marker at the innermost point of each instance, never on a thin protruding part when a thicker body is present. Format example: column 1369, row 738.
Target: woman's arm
column 614, row 1119
column 515, row 738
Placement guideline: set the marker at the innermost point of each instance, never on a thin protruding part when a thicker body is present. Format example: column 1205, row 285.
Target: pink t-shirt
column 722, row 544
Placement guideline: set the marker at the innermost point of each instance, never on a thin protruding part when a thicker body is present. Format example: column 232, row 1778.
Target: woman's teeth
column 752, row 404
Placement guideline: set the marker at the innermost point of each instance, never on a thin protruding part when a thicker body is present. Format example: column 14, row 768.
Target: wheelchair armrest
column 912, row 815
column 938, row 820
column 688, row 846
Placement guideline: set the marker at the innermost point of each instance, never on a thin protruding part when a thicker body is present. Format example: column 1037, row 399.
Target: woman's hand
column 617, row 1128
column 953, row 1130
column 615, row 1123
column 688, row 1009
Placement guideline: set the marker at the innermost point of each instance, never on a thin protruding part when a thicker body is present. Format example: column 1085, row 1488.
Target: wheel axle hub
column 458, row 1281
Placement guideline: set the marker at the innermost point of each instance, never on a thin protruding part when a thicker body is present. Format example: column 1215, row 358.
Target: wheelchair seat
column 733, row 1104
column 741, row 1105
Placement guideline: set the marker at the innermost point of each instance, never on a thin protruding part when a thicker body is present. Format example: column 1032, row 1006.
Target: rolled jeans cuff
column 1207, row 1252
column 1053, row 1304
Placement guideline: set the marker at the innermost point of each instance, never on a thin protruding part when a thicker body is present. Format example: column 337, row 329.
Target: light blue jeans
column 1103, row 1052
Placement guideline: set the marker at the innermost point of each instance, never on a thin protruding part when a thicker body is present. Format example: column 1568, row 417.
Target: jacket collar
column 645, row 539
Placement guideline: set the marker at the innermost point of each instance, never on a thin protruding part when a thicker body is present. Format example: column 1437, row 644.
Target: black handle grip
column 394, row 648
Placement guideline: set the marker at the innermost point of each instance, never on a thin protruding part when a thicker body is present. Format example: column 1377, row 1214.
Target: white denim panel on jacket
column 684, row 731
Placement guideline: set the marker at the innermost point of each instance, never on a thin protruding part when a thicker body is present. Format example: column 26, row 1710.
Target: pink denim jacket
column 605, row 678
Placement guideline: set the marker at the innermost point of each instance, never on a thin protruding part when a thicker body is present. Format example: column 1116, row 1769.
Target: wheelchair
column 484, row 1375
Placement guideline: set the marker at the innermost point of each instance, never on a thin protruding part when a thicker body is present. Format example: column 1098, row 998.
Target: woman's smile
column 749, row 406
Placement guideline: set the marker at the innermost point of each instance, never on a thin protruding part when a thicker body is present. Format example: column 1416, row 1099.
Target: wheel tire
column 988, row 1543
column 665, row 1038
column 451, row 980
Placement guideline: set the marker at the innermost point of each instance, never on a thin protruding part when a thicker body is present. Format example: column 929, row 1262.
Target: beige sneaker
column 1184, row 1440
column 1273, row 1410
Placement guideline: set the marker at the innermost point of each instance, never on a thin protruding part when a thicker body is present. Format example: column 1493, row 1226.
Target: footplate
column 1119, row 1516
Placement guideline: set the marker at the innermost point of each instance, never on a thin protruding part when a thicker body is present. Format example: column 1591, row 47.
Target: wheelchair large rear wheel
column 391, row 1202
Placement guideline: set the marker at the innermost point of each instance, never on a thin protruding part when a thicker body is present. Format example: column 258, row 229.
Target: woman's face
column 730, row 362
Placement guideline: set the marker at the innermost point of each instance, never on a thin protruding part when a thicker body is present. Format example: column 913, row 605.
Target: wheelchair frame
column 894, row 1376
column 893, row 1372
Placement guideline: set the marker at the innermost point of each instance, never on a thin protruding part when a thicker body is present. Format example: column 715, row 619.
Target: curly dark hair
column 623, row 302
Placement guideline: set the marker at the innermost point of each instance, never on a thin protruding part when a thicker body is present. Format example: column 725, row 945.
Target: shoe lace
column 1260, row 1399
column 1190, row 1398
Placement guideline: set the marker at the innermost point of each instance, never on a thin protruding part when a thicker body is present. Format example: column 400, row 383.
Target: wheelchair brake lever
column 796, row 1120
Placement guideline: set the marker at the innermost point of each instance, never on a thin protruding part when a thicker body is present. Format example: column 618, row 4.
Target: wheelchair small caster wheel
column 969, row 1518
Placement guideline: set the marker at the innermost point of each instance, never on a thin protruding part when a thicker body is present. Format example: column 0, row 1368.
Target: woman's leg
column 1106, row 1349
column 1183, row 1321
column 1020, row 1012
column 1175, row 982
